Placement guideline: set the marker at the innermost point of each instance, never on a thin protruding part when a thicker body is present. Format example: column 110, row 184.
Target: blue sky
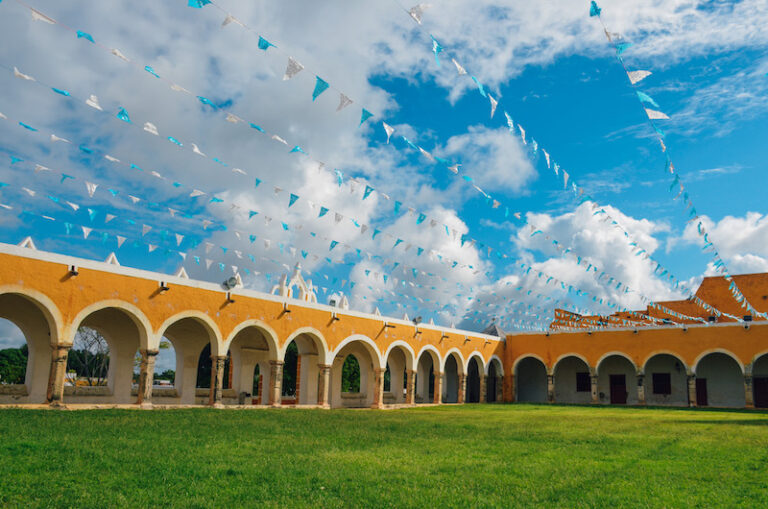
column 548, row 64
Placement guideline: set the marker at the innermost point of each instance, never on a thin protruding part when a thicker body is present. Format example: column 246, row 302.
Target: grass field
column 459, row 456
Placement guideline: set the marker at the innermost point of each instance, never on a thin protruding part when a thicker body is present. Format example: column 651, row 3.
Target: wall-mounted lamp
column 466, row 339
column 230, row 300
column 634, row 331
column 444, row 336
column 388, row 325
column 73, row 271
column 163, row 287
column 334, row 317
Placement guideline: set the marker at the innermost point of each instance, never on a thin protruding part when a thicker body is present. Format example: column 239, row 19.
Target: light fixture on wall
column 230, row 300
column 73, row 271
column 163, row 287
column 334, row 318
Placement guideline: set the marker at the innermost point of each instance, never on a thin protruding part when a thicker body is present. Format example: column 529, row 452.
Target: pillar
column 146, row 377
column 692, row 390
column 499, row 389
column 298, row 379
column 438, row 395
column 57, row 375
column 410, row 387
column 462, row 388
column 641, row 389
column 276, row 379
column 551, row 388
column 593, row 380
column 483, row 387
column 323, row 385
column 510, row 396
column 217, row 380
column 378, row 388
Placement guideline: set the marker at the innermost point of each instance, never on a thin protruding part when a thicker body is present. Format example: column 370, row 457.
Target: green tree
column 89, row 357
column 350, row 375
column 13, row 365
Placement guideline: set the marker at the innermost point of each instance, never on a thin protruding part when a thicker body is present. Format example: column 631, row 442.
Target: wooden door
column 760, row 391
column 701, row 392
column 618, row 390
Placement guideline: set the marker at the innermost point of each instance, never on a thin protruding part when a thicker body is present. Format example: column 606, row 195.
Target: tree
column 89, row 357
column 13, row 365
column 350, row 375
column 164, row 345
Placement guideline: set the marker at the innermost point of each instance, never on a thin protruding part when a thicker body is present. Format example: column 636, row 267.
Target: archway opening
column 719, row 382
column 425, row 377
column 473, row 381
column 352, row 376
column 617, row 381
column 495, row 382
column 452, row 370
column 101, row 361
column 665, row 381
column 395, row 377
column 252, row 346
column 531, row 381
column 25, row 349
column 301, row 370
column 185, row 363
column 760, row 381
column 573, row 381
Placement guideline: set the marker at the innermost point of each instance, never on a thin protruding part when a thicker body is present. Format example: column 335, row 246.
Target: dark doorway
column 701, row 392
column 618, row 390
column 760, row 391
column 473, row 382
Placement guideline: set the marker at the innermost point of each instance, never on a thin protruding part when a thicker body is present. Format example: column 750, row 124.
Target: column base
column 144, row 405
column 57, row 405
column 217, row 404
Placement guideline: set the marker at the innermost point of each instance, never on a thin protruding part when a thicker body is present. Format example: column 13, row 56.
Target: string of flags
column 635, row 77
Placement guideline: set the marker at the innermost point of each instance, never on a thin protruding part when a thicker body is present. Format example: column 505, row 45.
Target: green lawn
column 460, row 456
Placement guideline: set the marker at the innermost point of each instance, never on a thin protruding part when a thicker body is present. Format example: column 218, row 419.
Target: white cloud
column 741, row 241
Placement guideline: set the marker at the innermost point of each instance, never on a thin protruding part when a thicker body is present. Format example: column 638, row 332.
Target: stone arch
column 665, row 379
column 369, row 359
column 760, row 380
column 398, row 360
column 189, row 332
column 480, row 360
column 40, row 322
column 249, row 344
column 301, row 367
column 475, row 372
column 616, row 379
column 697, row 361
column 719, row 379
column 527, row 356
column 530, row 373
column 126, row 330
column 494, row 371
column 428, row 365
column 572, row 377
column 453, row 370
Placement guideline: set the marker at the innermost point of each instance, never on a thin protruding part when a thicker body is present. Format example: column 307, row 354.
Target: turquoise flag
column 292, row 200
column 123, row 115
column 265, row 44
column 320, row 86
column 594, row 10
column 84, row 35
column 151, row 71
column 197, row 4
column 368, row 191
column 365, row 116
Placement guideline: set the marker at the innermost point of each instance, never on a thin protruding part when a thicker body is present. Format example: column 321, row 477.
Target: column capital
column 276, row 363
column 324, row 366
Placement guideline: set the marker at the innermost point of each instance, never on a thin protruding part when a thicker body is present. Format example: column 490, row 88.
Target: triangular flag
column 368, row 191
column 646, row 98
column 365, row 116
column 637, row 76
column 459, row 68
column 179, row 238
column 151, row 128
column 120, row 241
column 494, row 102
column 39, row 16
column 123, row 115
column 344, row 101
column 656, row 115
column 320, row 86
column 417, row 11
column 388, row 129
column 145, row 229
column 197, row 150
column 91, row 188
column 265, row 44
column 292, row 69
column 292, row 200
column 86, row 231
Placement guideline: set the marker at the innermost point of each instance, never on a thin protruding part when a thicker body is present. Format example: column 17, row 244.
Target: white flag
column 23, row 76
column 344, row 101
column 234, row 119
column 388, row 129
column 119, row 55
column 494, row 102
column 459, row 68
column 39, row 16
column 292, row 69
column 91, row 188
column 150, row 128
column 655, row 115
column 637, row 76
column 56, row 138
column 109, row 218
column 86, row 231
column 197, row 150
column 145, row 229
column 93, row 102
column 546, row 156
column 417, row 11
column 120, row 241
column 179, row 238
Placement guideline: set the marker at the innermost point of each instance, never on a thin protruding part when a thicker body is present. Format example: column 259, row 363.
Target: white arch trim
column 495, row 358
column 664, row 352
column 268, row 333
column 461, row 363
column 409, row 362
column 46, row 306
column 135, row 314
column 573, row 354
column 217, row 342
column 611, row 354
column 730, row 354
column 372, row 348
column 483, row 368
column 309, row 331
column 528, row 356
column 437, row 359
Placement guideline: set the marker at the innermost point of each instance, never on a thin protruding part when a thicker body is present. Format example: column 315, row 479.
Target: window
column 662, row 383
column 583, row 382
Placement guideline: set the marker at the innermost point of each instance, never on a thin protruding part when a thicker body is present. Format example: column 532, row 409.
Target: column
column 483, row 386
column 410, row 387
column 276, row 379
column 57, row 375
column 462, row 388
column 641, row 388
column 217, row 380
column 551, row 388
column 298, row 379
column 378, row 388
column 692, row 390
column 499, row 389
column 593, row 380
column 323, row 385
column 511, row 389
column 438, row 395
column 748, row 396
column 146, row 377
